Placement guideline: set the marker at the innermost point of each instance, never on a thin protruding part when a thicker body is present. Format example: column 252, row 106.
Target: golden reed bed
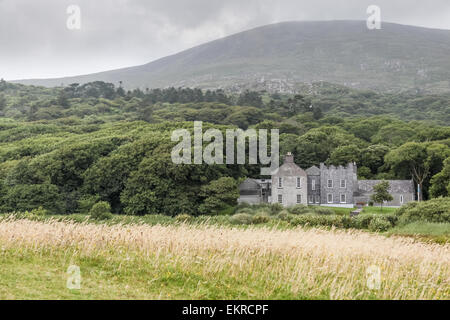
column 305, row 262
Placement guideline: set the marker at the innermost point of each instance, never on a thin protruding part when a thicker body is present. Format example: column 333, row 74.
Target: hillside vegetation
column 65, row 149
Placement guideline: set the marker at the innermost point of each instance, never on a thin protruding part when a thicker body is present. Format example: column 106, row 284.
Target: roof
column 250, row 184
column 395, row 186
column 313, row 171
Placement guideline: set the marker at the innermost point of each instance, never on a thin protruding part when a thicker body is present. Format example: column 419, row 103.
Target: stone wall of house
column 339, row 194
column 289, row 190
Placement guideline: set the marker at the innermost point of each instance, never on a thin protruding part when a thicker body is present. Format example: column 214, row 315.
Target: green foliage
column 184, row 218
column 25, row 197
column 101, row 211
column 85, row 144
column 440, row 183
column 381, row 193
column 260, row 218
column 241, row 218
column 435, row 210
column 298, row 209
column 219, row 194
column 379, row 224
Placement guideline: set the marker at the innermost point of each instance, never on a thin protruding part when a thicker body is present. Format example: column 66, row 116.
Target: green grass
column 437, row 232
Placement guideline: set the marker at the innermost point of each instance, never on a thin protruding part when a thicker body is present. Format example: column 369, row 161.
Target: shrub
column 184, row 218
column 435, row 210
column 324, row 211
column 39, row 212
column 260, row 218
column 245, row 211
column 362, row 221
column 284, row 216
column 322, row 221
column 101, row 211
column 379, row 224
column 298, row 209
column 276, row 208
column 241, row 218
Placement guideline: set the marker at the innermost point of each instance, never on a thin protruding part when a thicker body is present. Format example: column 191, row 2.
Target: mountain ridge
column 282, row 56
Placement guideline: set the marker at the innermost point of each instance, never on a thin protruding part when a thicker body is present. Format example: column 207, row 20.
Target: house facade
column 333, row 186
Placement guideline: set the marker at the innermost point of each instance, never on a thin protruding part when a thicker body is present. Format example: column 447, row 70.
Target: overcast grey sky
column 36, row 43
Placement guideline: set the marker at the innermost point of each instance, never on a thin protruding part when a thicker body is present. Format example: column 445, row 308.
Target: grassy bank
column 211, row 262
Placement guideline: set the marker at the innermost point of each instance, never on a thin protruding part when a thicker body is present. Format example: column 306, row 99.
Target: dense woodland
column 66, row 148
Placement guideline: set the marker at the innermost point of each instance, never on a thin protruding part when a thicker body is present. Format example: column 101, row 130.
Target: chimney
column 289, row 158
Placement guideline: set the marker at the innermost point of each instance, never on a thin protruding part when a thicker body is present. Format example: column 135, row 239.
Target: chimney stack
column 289, row 158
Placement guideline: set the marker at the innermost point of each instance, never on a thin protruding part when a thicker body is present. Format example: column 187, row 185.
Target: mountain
column 281, row 57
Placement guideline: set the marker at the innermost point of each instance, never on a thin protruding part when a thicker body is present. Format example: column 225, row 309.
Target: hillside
column 282, row 56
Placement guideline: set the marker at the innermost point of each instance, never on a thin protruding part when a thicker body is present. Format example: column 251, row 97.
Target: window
column 299, row 182
column 330, row 183
column 343, row 183
column 299, row 198
column 311, row 199
column 401, row 199
column 313, row 184
column 280, row 198
column 330, row 198
column 343, row 198
column 317, row 199
column 280, row 182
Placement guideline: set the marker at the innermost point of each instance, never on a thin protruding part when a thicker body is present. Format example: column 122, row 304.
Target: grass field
column 213, row 262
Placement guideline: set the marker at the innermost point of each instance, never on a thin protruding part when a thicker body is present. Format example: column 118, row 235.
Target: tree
column 218, row 195
column 419, row 161
column 2, row 102
column 344, row 154
column 440, row 183
column 381, row 193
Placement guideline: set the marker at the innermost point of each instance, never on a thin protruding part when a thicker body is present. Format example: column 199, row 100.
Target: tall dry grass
column 304, row 263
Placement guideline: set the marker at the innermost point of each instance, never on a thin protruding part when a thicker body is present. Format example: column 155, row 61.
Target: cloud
column 35, row 42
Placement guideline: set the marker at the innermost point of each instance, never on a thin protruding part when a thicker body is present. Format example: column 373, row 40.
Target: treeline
column 100, row 100
column 68, row 155
column 68, row 165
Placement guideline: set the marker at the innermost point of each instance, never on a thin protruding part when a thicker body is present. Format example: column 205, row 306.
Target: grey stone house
column 289, row 184
column 338, row 185
column 334, row 186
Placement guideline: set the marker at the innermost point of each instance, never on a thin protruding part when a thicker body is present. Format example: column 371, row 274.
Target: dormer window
column 299, row 183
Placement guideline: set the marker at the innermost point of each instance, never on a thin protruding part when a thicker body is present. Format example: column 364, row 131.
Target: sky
column 41, row 38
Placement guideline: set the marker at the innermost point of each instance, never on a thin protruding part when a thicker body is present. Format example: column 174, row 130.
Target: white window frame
column 313, row 184
column 345, row 198
column 345, row 183
column 328, row 198
column 280, row 182
column 280, row 199
column 299, row 197
column 298, row 182
column 328, row 183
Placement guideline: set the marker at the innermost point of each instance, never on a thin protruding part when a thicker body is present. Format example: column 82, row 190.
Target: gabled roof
column 395, row 186
column 313, row 171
